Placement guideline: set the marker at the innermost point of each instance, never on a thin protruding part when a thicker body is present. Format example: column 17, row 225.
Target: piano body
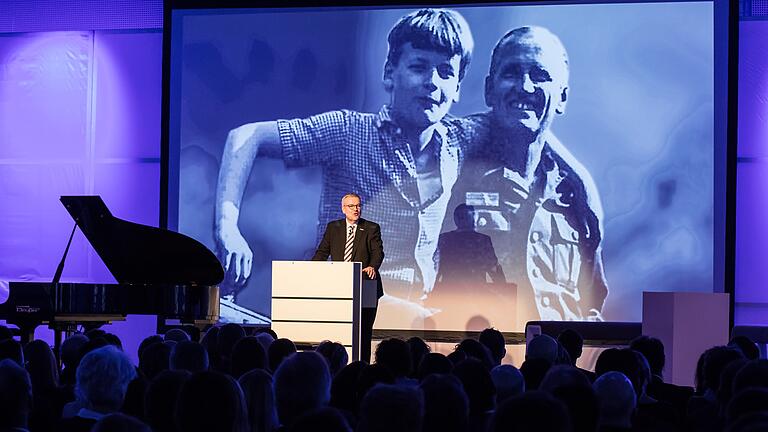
column 159, row 272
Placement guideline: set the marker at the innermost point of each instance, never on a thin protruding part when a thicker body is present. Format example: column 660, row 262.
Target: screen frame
column 725, row 21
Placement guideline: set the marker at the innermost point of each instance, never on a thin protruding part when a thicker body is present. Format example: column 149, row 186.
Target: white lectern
column 313, row 301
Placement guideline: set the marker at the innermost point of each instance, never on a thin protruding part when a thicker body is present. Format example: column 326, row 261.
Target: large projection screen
column 586, row 168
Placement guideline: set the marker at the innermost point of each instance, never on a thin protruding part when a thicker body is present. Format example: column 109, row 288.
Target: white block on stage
column 687, row 323
column 314, row 301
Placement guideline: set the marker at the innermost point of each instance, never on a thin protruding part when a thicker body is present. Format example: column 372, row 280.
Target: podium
column 313, row 301
column 687, row 323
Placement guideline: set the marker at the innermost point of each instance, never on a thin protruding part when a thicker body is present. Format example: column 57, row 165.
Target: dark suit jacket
column 367, row 247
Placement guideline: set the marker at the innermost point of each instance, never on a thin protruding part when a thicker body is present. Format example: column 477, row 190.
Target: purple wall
column 79, row 114
column 752, row 176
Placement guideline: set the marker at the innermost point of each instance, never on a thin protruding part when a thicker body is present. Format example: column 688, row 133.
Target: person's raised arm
column 243, row 145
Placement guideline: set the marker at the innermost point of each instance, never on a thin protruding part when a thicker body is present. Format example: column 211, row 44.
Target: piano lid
column 141, row 254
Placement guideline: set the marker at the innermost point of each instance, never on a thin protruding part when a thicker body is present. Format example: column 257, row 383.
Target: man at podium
column 354, row 239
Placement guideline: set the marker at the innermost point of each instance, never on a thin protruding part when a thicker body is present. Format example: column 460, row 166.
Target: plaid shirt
column 367, row 154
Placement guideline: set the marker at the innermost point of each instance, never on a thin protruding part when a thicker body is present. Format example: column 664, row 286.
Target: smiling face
column 423, row 84
column 528, row 82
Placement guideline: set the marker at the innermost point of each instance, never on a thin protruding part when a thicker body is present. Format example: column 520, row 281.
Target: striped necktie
column 348, row 246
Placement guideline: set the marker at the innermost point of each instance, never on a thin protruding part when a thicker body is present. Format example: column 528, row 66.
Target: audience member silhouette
column 259, row 400
column 446, row 407
column 563, row 376
column 543, row 347
column 278, row 350
column 434, row 363
column 5, row 333
column 581, row 402
column 302, row 383
column 480, row 391
column 395, row 355
column 387, row 408
column 370, row 376
column 70, row 357
column 653, row 351
column 508, row 382
column 573, row 344
column 154, row 359
column 211, row 401
column 335, row 354
column 477, row 350
column 748, row 401
column 190, row 356
column 15, row 396
column 532, row 411
column 177, row 335
column 44, row 374
column 617, row 400
column 494, row 341
column 746, row 346
column 160, row 399
column 247, row 354
column 344, row 387
column 418, row 349
column 533, row 371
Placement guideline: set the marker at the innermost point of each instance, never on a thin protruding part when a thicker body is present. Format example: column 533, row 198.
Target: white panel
column 314, row 332
column 311, row 310
column 313, row 279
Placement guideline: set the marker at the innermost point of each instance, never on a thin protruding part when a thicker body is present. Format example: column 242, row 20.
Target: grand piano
column 159, row 272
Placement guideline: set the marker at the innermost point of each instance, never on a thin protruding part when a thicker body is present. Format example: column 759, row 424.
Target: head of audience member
column 302, row 383
column 727, row 377
column 42, row 367
column 617, row 399
column 344, row 387
column 746, row 346
column 419, row 349
column 160, row 399
column 534, row 371
column 508, row 381
column 630, row 363
column 15, row 396
column 10, row 349
column 653, row 350
column 715, row 360
column 190, row 356
column 113, row 340
column 102, row 379
column 572, row 342
column 324, row 419
column 494, row 341
column 70, row 349
column 563, row 376
column 266, row 330
column 370, row 376
column 542, row 347
column 751, row 374
column 247, row 354
column 335, row 354
column 457, row 356
column 5, row 333
column 528, row 82
column 531, row 411
column 229, row 334
column 259, row 400
column 394, row 355
column 177, row 335
column 476, row 350
column 119, row 422
column 745, row 402
column 434, row 363
column 429, row 52
column 211, row 401
column 278, row 350
column 148, row 341
column 446, row 407
column 478, row 386
column 391, row 408
column 154, row 359
column 581, row 402
column 96, row 333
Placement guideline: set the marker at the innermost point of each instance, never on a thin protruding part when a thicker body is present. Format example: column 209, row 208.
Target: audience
column 408, row 388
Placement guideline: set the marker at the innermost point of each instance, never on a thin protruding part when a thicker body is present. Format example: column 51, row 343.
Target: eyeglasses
column 353, row 206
